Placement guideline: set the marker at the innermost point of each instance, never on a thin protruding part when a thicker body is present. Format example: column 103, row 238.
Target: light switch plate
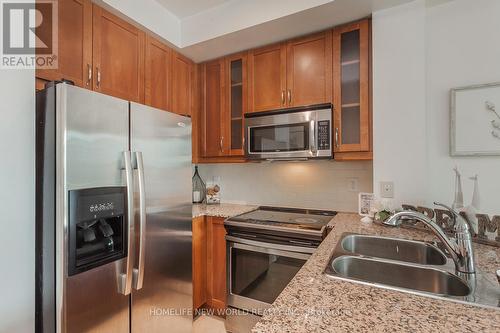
column 387, row 190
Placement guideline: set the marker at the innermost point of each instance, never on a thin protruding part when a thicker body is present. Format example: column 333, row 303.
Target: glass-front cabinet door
column 237, row 103
column 351, row 92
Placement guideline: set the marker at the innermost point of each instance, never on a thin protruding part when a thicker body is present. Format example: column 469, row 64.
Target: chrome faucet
column 459, row 248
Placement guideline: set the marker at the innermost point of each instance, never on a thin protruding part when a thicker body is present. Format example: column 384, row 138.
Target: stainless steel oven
column 258, row 271
column 299, row 133
column 265, row 248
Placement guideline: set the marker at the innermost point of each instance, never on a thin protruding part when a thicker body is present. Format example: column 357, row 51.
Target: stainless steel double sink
column 407, row 265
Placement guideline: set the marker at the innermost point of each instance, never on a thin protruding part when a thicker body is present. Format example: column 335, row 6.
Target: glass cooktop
column 307, row 219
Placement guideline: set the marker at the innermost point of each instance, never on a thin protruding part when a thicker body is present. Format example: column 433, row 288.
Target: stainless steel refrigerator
column 113, row 215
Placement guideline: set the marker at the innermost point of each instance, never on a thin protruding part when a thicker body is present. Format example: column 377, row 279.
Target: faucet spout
column 460, row 250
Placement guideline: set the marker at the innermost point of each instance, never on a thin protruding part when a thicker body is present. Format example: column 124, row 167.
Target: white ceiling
column 185, row 8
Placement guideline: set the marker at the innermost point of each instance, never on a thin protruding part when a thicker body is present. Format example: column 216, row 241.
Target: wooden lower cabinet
column 216, row 263
column 209, row 263
column 199, row 262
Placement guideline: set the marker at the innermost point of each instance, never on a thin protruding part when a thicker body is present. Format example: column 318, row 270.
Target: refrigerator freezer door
column 164, row 303
column 92, row 134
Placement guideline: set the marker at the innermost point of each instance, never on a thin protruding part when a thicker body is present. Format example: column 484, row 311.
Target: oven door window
column 279, row 138
column 261, row 276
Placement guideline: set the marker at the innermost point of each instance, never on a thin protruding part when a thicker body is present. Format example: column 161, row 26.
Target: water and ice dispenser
column 97, row 227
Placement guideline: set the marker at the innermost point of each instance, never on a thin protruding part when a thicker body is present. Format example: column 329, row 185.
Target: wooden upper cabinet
column 237, row 103
column 351, row 89
column 309, row 70
column 213, row 108
column 296, row 73
column 267, row 78
column 74, row 44
column 118, row 53
column 181, row 84
column 157, row 75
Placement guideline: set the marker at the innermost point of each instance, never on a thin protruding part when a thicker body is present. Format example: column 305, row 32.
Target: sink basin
column 406, row 276
column 408, row 266
column 394, row 249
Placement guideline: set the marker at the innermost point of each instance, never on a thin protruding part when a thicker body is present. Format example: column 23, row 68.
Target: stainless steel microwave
column 289, row 134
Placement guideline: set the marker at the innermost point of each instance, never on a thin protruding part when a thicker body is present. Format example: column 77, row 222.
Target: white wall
column 421, row 50
column 312, row 184
column 399, row 135
column 463, row 48
column 17, row 206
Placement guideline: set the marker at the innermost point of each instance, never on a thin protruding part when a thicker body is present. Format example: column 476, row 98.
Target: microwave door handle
column 138, row 272
column 312, row 131
column 125, row 278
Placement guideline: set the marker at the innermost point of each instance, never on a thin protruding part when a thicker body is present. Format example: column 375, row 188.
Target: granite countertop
column 314, row 302
column 221, row 210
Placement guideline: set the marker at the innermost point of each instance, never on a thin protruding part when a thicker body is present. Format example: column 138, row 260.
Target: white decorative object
column 458, row 202
column 472, row 210
column 475, row 121
column 365, row 204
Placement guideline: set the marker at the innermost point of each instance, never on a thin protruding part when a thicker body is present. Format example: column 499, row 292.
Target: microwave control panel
column 324, row 135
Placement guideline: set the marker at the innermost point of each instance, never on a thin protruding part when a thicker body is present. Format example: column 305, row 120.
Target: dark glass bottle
column 199, row 188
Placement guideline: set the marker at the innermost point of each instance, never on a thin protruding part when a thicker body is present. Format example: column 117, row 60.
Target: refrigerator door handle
column 138, row 272
column 125, row 278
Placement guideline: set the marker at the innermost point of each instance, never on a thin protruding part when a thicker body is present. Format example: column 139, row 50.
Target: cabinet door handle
column 221, row 143
column 289, row 94
column 337, row 137
column 283, row 97
column 98, row 77
column 89, row 74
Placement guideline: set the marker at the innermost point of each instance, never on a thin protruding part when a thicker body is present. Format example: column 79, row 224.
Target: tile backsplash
column 312, row 184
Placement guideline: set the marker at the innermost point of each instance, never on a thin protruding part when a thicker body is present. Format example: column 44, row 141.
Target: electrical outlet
column 353, row 184
column 387, row 190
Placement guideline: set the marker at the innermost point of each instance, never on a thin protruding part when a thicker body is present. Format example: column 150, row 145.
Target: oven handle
column 281, row 247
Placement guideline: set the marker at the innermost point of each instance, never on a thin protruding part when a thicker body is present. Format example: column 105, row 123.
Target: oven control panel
column 324, row 135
